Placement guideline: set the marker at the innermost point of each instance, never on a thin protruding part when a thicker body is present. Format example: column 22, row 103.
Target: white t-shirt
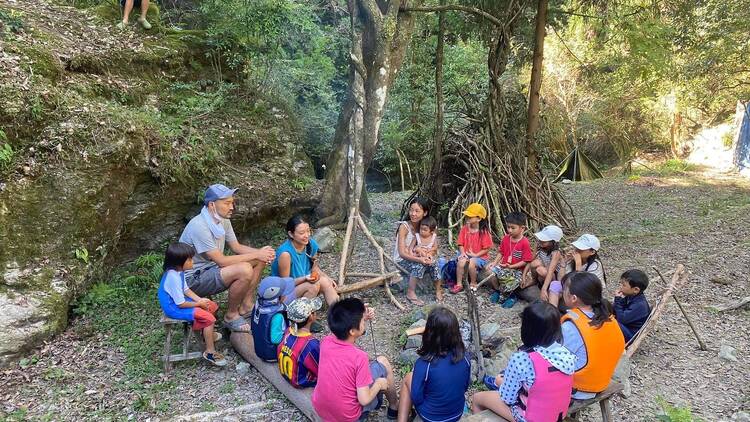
column 175, row 287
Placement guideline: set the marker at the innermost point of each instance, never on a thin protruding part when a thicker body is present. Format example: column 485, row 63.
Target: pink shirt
column 474, row 242
column 342, row 369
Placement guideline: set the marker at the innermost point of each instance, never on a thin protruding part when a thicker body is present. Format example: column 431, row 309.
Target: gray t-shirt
column 198, row 234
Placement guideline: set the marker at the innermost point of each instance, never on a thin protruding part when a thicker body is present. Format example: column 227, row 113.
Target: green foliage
column 11, row 22
column 302, row 183
column 82, row 254
column 284, row 47
column 6, row 152
column 674, row 413
column 126, row 308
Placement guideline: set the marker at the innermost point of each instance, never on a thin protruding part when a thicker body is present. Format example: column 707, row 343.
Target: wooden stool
column 168, row 357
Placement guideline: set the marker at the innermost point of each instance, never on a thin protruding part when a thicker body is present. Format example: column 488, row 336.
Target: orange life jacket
column 604, row 346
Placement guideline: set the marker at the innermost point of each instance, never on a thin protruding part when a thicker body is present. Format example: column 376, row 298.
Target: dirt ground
column 697, row 220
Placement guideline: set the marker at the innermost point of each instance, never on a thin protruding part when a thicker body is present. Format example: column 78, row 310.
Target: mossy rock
column 43, row 63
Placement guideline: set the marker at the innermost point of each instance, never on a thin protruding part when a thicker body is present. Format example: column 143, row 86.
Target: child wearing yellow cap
column 474, row 244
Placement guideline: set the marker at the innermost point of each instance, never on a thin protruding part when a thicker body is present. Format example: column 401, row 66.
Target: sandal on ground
column 216, row 358
column 236, row 325
column 457, row 288
column 415, row 301
column 392, row 414
column 217, row 336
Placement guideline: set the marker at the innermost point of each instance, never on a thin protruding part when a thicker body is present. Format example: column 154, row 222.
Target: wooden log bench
column 168, row 357
column 301, row 398
column 575, row 407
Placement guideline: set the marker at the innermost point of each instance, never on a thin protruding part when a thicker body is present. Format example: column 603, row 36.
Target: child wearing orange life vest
column 537, row 382
column 591, row 332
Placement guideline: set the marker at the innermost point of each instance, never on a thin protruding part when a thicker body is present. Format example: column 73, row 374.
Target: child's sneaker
column 495, row 297
column 509, row 302
column 216, row 358
column 121, row 26
column 144, row 23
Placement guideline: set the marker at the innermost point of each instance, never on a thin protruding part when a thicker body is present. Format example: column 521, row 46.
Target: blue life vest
column 263, row 313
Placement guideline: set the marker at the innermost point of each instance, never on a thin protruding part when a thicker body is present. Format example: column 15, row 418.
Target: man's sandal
column 236, row 325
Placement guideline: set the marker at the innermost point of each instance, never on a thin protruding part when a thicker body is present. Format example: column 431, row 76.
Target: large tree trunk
column 380, row 35
column 532, row 124
column 434, row 181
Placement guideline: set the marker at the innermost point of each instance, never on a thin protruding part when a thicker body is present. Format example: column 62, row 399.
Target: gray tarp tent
column 742, row 141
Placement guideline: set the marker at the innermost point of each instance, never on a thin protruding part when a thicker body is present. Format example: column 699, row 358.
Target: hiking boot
column 495, row 297
column 144, row 23
column 216, row 358
column 317, row 327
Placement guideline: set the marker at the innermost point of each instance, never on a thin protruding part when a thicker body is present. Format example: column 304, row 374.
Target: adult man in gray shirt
column 214, row 272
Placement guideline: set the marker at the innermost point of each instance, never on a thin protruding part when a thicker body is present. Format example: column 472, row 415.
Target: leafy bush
column 674, row 413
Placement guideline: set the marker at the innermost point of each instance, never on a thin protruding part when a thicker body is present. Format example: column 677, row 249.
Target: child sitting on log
column 474, row 244
column 299, row 351
column 536, row 384
column 441, row 375
column 349, row 386
column 425, row 245
column 590, row 331
column 513, row 254
column 179, row 302
column 269, row 315
column 631, row 306
column 544, row 270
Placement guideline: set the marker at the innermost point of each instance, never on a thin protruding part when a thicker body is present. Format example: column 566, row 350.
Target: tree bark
column 435, row 179
column 532, row 123
column 380, row 35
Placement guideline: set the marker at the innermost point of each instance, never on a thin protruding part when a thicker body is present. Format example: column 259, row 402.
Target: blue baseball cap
column 271, row 287
column 216, row 192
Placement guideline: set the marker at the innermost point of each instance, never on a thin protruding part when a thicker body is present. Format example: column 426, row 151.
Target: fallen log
column 362, row 285
column 243, row 344
column 732, row 305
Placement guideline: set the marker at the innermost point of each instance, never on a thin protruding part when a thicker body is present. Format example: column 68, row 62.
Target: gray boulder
column 414, row 342
column 326, row 239
column 489, row 330
column 408, row 357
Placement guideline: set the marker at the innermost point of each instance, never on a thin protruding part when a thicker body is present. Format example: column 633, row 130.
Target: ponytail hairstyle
column 588, row 288
column 176, row 255
column 595, row 258
column 442, row 336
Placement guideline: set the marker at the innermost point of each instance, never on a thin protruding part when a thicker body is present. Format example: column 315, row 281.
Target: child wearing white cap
column 544, row 269
column 585, row 257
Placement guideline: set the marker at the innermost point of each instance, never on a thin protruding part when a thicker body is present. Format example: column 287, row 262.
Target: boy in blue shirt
column 631, row 306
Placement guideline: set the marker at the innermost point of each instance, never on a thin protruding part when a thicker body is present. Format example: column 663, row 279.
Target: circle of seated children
column 297, row 258
column 416, row 249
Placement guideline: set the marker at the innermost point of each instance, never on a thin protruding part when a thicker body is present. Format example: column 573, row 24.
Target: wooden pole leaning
column 701, row 343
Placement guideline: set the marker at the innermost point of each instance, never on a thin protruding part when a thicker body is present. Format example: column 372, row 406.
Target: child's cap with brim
column 476, row 210
column 301, row 308
column 273, row 287
column 549, row 233
column 587, row 241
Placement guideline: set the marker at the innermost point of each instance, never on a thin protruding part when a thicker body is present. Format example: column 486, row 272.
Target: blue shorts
column 377, row 370
column 479, row 262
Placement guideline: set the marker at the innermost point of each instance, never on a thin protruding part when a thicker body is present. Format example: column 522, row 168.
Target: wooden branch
column 365, row 275
column 456, row 8
column 393, row 299
column 684, row 314
column 377, row 246
column 345, row 247
column 243, row 344
column 733, row 305
column 362, row 285
column 678, row 278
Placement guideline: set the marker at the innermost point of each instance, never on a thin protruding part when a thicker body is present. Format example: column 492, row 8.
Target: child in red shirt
column 474, row 244
column 513, row 255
